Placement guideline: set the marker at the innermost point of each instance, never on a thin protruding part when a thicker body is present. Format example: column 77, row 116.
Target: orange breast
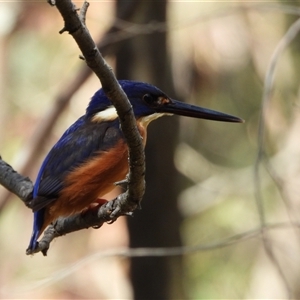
column 90, row 181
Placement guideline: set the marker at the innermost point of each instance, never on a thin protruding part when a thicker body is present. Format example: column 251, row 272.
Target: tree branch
column 105, row 45
column 73, row 24
column 14, row 182
column 125, row 203
column 130, row 200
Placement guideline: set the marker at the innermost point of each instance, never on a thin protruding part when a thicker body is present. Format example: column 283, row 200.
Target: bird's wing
column 82, row 141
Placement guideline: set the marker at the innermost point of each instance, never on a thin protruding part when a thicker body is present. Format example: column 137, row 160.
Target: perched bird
column 92, row 154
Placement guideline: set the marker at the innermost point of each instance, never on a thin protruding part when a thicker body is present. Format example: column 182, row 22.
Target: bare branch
column 14, row 182
column 63, row 98
column 91, row 218
column 23, row 187
column 83, row 11
column 117, row 96
column 130, row 200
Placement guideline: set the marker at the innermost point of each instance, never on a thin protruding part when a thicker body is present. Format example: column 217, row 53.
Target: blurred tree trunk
column 145, row 58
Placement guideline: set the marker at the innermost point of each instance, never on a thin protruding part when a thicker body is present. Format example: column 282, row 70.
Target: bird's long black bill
column 183, row 109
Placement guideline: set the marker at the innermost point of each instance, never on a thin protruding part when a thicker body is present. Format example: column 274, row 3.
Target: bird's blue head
column 148, row 103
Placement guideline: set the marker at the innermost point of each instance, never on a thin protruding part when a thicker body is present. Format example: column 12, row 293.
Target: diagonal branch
column 125, row 203
column 15, row 183
column 130, row 200
column 106, row 45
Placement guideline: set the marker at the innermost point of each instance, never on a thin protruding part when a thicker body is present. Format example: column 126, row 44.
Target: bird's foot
column 115, row 208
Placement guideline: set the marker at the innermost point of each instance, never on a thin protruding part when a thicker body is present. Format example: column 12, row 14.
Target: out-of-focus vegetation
column 220, row 53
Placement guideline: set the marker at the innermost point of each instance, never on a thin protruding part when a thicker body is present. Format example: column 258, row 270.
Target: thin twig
column 267, row 95
column 156, row 252
column 83, row 11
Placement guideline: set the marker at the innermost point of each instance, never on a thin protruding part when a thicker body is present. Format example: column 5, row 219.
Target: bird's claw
column 113, row 209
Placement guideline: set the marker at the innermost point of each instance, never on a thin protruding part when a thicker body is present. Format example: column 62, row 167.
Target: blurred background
column 202, row 188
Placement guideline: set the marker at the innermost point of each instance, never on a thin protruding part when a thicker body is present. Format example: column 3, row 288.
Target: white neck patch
column 147, row 119
column 109, row 114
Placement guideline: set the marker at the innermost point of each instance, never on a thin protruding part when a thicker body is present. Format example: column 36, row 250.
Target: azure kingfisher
column 92, row 155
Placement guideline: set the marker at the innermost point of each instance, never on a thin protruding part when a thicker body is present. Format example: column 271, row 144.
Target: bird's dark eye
column 148, row 99
column 156, row 101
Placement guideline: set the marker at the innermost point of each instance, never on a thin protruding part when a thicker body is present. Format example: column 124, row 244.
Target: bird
column 92, row 154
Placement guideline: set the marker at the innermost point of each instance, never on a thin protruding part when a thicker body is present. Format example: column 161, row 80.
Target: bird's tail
column 38, row 222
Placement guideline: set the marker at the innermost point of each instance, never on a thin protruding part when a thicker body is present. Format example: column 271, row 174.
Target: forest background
column 228, row 193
